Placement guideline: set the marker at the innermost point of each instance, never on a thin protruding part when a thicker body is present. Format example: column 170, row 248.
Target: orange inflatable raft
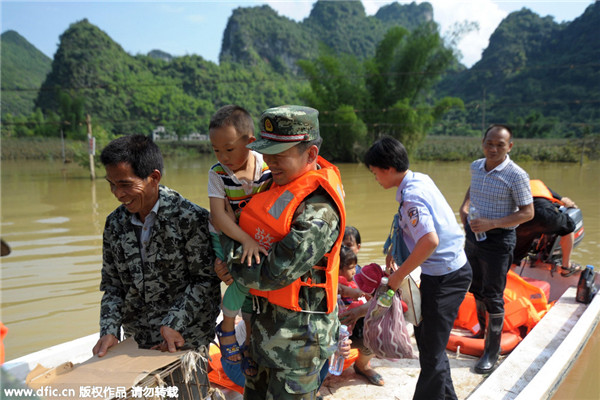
column 217, row 373
column 525, row 303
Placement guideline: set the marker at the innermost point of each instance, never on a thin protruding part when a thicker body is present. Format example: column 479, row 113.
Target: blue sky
column 196, row 27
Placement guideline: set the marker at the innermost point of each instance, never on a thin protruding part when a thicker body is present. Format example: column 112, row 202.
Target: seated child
column 352, row 240
column 239, row 174
column 348, row 261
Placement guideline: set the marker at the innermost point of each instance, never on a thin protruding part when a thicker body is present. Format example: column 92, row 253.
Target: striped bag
column 386, row 334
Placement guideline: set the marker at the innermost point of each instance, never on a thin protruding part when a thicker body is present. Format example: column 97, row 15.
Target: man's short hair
column 303, row 146
column 233, row 115
column 387, row 152
column 499, row 126
column 139, row 151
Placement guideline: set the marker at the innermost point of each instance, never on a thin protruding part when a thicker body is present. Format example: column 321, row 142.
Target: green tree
column 389, row 94
column 337, row 88
column 72, row 114
column 80, row 148
column 399, row 79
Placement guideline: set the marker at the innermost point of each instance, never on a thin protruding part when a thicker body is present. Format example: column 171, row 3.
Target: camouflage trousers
column 283, row 384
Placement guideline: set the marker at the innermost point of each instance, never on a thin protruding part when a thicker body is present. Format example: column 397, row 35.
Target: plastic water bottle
column 385, row 300
column 383, row 287
column 474, row 214
column 341, row 304
column 336, row 362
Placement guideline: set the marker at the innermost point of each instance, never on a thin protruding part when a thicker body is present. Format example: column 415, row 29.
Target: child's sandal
column 249, row 366
column 228, row 350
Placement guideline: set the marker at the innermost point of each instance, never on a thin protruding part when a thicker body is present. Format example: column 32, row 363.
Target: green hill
column 541, row 76
column 538, row 75
column 258, row 35
column 23, row 67
column 92, row 74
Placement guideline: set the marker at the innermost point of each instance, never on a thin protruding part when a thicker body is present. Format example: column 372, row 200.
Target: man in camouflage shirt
column 291, row 347
column 157, row 275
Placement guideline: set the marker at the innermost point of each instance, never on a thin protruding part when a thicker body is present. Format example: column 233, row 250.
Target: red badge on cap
column 268, row 125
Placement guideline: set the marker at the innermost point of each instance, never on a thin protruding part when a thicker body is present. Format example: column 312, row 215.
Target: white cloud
column 485, row 12
column 372, row 6
column 296, row 10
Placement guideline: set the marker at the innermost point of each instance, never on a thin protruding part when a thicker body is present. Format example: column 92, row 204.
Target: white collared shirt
column 424, row 209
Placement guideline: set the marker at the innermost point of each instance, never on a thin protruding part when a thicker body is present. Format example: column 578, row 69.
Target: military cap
column 283, row 127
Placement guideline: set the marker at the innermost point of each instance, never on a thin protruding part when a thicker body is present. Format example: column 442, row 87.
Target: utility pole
column 483, row 112
column 62, row 142
column 91, row 146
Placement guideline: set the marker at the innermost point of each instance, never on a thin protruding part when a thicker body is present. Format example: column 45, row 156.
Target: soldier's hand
column 172, row 340
column 345, row 348
column 223, row 272
column 103, row 344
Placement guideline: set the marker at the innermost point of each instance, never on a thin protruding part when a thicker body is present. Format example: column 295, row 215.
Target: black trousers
column 490, row 260
column 441, row 296
column 547, row 220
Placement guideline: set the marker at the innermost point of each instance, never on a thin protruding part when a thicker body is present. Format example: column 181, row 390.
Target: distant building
column 195, row 136
column 160, row 133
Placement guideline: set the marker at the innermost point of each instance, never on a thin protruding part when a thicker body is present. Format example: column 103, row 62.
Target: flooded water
column 52, row 216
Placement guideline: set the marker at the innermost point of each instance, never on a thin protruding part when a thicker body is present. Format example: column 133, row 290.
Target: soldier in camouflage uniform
column 291, row 347
column 157, row 275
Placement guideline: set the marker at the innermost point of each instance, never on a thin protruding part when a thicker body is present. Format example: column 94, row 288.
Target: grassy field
column 451, row 148
column 434, row 148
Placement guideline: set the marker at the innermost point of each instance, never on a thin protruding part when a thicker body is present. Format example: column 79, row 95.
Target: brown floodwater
column 52, row 217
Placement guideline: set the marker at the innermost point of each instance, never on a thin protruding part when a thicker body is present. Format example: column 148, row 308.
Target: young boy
column 239, row 174
column 435, row 240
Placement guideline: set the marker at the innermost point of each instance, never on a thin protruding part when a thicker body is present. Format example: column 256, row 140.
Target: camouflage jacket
column 282, row 338
column 176, row 287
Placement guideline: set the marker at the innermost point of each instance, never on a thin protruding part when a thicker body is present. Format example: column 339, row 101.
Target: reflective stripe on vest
column 268, row 219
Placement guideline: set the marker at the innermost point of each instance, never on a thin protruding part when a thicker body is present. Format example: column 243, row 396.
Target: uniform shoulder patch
column 413, row 216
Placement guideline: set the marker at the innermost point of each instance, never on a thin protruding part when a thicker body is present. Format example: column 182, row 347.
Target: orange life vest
column 3, row 332
column 524, row 305
column 268, row 218
column 539, row 189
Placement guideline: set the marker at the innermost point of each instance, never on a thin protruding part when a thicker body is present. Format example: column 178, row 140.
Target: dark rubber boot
column 481, row 315
column 487, row 362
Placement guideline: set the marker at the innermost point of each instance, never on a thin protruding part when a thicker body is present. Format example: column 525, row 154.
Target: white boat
column 533, row 370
